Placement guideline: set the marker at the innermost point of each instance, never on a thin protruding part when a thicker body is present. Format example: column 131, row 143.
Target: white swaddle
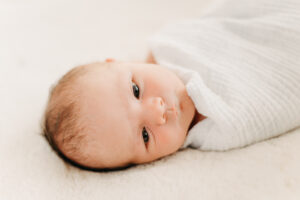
column 242, row 70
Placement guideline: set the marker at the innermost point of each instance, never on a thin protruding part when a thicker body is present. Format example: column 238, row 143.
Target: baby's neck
column 197, row 118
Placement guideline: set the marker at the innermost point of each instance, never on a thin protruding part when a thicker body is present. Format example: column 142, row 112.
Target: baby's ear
column 108, row 60
column 150, row 59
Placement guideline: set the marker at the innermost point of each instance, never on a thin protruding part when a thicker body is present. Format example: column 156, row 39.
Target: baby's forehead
column 104, row 136
column 104, row 97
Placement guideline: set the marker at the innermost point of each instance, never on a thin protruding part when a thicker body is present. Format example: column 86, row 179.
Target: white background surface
column 41, row 40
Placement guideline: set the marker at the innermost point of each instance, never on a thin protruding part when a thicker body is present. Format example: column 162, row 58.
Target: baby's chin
column 189, row 112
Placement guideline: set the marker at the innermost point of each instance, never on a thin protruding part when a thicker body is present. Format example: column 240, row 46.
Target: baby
column 114, row 114
column 224, row 81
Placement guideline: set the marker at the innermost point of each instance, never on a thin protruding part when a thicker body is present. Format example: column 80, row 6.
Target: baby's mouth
column 173, row 110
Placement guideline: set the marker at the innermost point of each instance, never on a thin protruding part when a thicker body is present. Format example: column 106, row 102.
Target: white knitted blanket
column 247, row 55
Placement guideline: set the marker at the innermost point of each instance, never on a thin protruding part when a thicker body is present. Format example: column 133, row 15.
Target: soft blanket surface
column 41, row 40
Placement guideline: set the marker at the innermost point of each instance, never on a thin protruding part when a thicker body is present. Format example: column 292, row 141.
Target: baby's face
column 136, row 112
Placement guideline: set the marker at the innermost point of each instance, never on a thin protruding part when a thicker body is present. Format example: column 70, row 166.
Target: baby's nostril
column 161, row 102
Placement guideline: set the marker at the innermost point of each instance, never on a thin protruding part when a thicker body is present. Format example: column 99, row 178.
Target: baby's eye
column 145, row 135
column 136, row 90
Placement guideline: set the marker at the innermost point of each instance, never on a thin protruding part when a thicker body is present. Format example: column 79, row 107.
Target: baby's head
column 113, row 114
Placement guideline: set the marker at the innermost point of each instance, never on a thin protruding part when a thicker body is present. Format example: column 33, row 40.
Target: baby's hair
column 62, row 125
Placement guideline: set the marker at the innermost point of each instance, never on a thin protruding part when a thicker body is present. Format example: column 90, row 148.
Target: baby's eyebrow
column 128, row 84
column 137, row 134
column 122, row 84
column 152, row 136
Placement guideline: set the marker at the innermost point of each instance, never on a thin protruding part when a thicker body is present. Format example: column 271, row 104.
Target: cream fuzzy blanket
column 41, row 40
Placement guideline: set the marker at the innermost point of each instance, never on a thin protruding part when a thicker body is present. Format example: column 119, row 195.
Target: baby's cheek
column 164, row 139
column 171, row 139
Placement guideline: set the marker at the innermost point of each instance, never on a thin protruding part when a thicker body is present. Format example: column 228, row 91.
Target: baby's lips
column 173, row 110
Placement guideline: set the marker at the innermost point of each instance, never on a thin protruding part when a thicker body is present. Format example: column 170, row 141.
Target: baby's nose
column 158, row 110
